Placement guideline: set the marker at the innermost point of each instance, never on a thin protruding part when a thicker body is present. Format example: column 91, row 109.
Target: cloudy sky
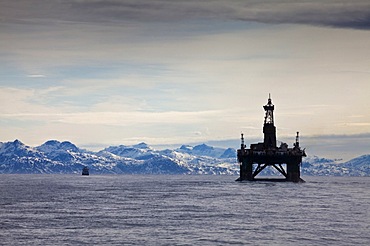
column 107, row 72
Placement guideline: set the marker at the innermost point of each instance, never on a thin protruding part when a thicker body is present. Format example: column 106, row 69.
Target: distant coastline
column 65, row 158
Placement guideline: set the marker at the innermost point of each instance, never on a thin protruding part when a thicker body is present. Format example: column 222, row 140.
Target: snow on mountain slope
column 130, row 151
column 359, row 166
column 203, row 164
column 65, row 157
column 54, row 145
column 205, row 150
column 16, row 148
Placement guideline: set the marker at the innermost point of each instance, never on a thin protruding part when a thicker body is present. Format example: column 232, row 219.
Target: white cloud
column 137, row 118
column 36, row 76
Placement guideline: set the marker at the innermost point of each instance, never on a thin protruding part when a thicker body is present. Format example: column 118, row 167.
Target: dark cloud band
column 341, row 14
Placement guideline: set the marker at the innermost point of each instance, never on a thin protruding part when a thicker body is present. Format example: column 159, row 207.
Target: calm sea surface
column 182, row 210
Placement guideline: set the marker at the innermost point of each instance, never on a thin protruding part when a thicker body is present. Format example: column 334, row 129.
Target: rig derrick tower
column 261, row 155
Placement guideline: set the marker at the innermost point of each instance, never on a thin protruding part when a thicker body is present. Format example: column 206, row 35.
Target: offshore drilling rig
column 260, row 155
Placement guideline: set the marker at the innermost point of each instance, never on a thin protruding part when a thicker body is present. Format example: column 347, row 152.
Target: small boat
column 85, row 171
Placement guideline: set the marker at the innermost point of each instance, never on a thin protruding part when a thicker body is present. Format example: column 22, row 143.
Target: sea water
column 182, row 210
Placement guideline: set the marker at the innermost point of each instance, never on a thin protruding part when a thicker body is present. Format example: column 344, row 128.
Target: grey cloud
column 342, row 146
column 326, row 13
column 342, row 14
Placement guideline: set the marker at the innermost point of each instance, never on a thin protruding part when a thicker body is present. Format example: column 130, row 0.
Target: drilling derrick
column 261, row 155
column 269, row 129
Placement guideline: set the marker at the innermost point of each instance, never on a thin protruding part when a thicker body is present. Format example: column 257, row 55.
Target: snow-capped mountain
column 139, row 151
column 65, row 157
column 205, row 150
column 359, row 166
column 54, row 145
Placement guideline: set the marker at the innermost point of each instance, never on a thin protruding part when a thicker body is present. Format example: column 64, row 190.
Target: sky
column 100, row 73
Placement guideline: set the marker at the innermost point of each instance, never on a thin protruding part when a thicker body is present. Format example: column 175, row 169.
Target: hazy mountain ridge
column 65, row 157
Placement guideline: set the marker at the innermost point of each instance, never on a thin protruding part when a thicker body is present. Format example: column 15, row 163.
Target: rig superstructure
column 261, row 155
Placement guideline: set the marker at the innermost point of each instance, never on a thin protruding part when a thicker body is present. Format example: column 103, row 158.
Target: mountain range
column 65, row 157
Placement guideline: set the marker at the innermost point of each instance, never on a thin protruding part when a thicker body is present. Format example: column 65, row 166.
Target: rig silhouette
column 267, row 154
